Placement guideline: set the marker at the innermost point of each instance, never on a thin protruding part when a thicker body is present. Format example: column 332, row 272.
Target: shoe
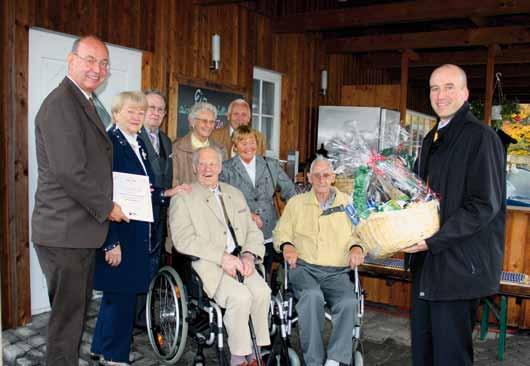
column 113, row 363
column 254, row 362
column 95, row 356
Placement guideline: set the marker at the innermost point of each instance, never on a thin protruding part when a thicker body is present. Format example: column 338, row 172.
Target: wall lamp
column 216, row 52
column 323, row 82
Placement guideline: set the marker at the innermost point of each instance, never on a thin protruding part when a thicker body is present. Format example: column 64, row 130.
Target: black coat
column 133, row 274
column 162, row 165
column 466, row 166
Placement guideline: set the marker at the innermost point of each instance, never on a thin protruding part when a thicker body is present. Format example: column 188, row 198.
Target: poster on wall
column 189, row 95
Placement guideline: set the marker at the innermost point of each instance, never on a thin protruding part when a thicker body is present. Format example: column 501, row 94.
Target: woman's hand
column 257, row 219
column 183, row 188
column 113, row 256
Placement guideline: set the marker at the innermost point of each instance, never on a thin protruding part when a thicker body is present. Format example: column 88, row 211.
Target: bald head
column 448, row 90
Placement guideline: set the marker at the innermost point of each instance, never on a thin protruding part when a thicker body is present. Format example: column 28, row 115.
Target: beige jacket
column 323, row 240
column 222, row 137
column 198, row 229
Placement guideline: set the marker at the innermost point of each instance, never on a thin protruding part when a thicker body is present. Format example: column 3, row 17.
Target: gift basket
column 391, row 207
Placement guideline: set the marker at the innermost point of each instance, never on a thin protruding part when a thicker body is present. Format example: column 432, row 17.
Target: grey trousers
column 69, row 275
column 313, row 286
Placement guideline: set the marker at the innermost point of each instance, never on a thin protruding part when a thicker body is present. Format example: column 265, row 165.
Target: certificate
column 133, row 193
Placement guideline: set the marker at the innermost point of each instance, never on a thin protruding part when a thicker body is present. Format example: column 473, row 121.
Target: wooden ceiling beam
column 437, row 39
column 218, row 2
column 472, row 72
column 429, row 59
column 402, row 12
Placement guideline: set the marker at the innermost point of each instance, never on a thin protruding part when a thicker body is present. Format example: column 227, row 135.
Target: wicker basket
column 386, row 233
column 344, row 184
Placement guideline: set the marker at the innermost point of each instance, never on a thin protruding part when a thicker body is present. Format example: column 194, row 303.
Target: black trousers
column 441, row 331
column 69, row 275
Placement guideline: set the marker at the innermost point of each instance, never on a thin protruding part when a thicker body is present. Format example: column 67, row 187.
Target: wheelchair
column 284, row 319
column 176, row 312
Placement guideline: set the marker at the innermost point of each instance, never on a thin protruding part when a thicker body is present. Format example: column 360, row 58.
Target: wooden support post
column 490, row 77
column 404, row 86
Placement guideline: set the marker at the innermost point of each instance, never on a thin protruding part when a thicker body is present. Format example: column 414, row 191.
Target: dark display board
column 189, row 95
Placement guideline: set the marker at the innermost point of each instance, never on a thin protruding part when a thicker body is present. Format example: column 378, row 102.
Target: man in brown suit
column 73, row 202
column 238, row 114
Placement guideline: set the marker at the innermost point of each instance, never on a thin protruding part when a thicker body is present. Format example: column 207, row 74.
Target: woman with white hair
column 202, row 119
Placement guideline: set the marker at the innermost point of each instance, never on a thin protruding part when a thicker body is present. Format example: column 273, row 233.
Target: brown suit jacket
column 182, row 159
column 222, row 136
column 198, row 228
column 74, row 157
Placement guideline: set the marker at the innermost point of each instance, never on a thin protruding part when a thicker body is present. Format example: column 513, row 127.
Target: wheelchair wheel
column 293, row 360
column 166, row 312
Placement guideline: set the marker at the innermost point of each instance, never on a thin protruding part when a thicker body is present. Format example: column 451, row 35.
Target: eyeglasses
column 91, row 61
column 204, row 121
column 322, row 175
column 155, row 109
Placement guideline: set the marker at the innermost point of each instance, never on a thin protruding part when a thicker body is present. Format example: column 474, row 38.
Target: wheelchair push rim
column 166, row 312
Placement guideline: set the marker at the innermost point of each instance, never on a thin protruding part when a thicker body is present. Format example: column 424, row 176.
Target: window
column 266, row 93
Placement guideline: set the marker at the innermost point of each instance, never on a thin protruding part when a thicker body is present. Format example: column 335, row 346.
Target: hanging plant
column 509, row 110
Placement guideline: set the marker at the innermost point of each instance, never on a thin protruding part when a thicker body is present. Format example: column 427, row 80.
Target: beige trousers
column 252, row 298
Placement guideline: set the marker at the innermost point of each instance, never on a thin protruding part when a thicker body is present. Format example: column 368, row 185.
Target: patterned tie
column 154, row 140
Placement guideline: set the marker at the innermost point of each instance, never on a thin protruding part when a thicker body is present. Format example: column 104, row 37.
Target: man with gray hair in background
column 238, row 115
column 320, row 245
column 203, row 224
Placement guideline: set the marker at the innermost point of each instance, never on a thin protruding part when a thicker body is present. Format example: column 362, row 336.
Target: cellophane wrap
column 383, row 182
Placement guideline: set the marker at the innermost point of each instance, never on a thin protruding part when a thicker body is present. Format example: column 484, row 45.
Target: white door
column 47, row 67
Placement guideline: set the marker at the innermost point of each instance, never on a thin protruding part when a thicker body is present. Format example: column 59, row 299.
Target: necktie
column 93, row 105
column 154, row 140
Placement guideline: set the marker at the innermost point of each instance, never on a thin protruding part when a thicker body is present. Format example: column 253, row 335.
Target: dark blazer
column 260, row 197
column 74, row 187
column 162, row 166
column 132, row 275
column 466, row 166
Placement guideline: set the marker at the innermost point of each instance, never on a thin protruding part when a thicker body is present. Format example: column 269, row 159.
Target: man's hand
column 247, row 260
column 418, row 247
column 356, row 257
column 290, row 255
column 257, row 219
column 231, row 264
column 117, row 214
column 113, row 256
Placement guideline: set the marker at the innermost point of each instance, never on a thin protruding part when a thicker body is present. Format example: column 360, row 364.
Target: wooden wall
column 175, row 36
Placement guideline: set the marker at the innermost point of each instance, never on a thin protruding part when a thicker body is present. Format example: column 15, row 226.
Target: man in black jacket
column 462, row 159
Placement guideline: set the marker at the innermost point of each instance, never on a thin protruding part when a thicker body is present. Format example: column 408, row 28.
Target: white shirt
column 251, row 169
column 133, row 141
column 443, row 123
column 230, row 243
column 87, row 95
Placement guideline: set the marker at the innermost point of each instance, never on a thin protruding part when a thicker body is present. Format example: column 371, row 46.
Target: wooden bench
column 512, row 285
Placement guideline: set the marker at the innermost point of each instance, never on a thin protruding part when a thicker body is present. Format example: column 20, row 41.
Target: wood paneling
column 176, row 38
column 385, row 95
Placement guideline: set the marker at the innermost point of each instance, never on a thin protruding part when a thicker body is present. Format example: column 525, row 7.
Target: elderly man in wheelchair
column 209, row 224
column 319, row 244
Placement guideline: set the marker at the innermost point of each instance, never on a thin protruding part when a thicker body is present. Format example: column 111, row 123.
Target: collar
column 312, row 198
column 154, row 130
column 197, row 144
column 131, row 138
column 249, row 165
column 87, row 95
column 444, row 122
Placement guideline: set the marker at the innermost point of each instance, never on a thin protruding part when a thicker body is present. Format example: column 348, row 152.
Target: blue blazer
column 132, row 275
